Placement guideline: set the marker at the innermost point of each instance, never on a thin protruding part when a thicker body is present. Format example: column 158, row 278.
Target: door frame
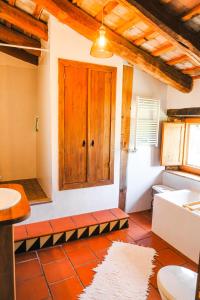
column 127, row 94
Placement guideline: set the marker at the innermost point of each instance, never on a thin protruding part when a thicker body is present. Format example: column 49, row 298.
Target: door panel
column 99, row 125
column 86, row 124
column 75, row 124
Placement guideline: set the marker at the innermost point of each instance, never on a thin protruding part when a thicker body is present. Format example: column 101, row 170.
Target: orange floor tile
column 62, row 272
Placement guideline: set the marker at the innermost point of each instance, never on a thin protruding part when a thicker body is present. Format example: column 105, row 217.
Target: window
column 191, row 160
column 181, row 145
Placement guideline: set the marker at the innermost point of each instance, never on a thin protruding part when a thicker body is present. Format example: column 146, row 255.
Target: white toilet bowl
column 176, row 283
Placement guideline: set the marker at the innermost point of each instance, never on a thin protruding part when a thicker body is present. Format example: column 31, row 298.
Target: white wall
column 18, row 93
column 144, row 168
column 43, row 143
column 66, row 43
column 176, row 99
column 179, row 182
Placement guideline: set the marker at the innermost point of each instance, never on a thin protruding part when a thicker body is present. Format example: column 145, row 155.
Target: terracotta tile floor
column 62, row 272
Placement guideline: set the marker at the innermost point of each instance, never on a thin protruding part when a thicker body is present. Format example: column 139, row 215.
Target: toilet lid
column 177, row 282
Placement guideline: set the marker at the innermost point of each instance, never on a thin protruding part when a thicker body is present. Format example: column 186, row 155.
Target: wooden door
column 86, row 124
column 74, row 125
column 172, row 143
column 100, row 127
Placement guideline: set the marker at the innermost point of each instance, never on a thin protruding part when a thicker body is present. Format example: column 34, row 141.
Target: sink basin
column 8, row 198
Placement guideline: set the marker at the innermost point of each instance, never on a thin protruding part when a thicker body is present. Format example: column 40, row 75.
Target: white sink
column 8, row 198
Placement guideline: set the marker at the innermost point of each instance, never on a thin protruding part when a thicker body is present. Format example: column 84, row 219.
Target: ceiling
column 131, row 20
column 121, row 17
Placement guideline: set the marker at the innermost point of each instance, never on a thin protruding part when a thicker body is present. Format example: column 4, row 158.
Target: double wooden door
column 86, row 124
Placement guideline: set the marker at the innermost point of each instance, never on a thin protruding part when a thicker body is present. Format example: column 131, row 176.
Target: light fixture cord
column 102, row 16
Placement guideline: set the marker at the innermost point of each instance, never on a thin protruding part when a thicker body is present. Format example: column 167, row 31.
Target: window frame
column 184, row 166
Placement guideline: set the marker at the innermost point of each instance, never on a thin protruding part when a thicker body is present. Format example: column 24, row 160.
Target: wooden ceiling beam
column 143, row 37
column 196, row 77
column 166, row 1
column 11, row 2
column 184, row 112
column 88, row 26
column 192, row 70
column 78, row 2
column 10, row 36
column 136, row 12
column 127, row 25
column 192, row 13
column 110, row 5
column 20, row 54
column 23, row 20
column 171, row 28
column 152, row 35
column 38, row 11
column 177, row 60
column 162, row 49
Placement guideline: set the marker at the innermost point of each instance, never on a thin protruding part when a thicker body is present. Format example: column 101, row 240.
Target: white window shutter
column 146, row 128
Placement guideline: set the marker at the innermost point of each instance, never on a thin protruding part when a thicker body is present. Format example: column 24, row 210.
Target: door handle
column 92, row 143
column 83, row 143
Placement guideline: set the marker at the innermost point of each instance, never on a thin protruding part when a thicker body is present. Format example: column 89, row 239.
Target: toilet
column 176, row 283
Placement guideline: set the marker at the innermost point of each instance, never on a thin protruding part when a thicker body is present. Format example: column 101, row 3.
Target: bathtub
column 177, row 225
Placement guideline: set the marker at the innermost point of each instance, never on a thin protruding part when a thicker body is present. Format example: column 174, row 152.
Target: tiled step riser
column 67, row 236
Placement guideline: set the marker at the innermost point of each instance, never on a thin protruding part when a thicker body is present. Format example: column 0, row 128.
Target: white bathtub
column 176, row 225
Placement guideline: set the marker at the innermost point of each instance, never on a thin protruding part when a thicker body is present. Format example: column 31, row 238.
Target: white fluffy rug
column 123, row 275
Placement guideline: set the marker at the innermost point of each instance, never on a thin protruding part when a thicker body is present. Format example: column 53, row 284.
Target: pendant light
column 100, row 47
